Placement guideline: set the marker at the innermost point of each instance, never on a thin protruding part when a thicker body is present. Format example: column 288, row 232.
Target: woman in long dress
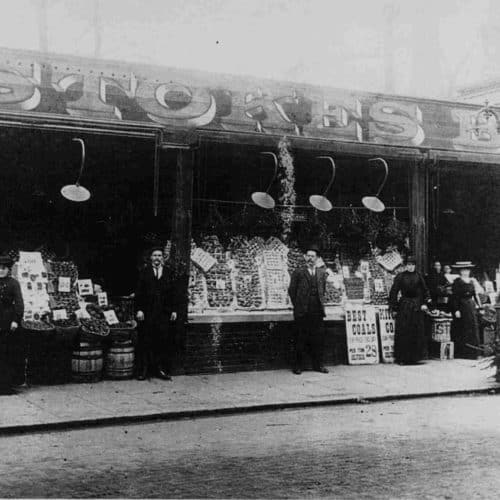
column 409, row 297
column 11, row 314
column 464, row 304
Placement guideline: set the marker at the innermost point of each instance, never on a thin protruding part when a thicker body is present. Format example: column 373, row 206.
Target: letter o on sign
column 173, row 96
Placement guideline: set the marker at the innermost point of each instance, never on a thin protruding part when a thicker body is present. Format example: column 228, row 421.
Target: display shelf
column 333, row 313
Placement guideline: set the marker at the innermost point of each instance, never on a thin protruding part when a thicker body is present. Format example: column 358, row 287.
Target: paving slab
column 41, row 408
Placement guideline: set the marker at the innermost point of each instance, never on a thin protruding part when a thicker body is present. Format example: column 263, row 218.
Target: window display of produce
column 247, row 276
column 253, row 274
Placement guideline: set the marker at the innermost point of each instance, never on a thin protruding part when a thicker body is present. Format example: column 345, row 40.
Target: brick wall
column 230, row 347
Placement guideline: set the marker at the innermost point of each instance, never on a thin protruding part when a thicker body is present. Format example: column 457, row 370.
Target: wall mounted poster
column 386, row 327
column 362, row 336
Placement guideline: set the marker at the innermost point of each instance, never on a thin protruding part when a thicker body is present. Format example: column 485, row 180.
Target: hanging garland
column 286, row 176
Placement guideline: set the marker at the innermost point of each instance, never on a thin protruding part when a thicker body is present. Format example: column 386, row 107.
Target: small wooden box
column 440, row 329
column 443, row 350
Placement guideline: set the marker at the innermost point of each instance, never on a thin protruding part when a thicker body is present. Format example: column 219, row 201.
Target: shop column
column 181, row 231
column 418, row 205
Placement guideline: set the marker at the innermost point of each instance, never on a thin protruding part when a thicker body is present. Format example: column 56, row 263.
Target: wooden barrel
column 87, row 363
column 120, row 360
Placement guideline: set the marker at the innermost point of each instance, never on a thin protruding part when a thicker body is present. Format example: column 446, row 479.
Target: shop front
column 178, row 158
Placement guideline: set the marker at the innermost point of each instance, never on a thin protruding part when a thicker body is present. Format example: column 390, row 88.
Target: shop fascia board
column 46, row 121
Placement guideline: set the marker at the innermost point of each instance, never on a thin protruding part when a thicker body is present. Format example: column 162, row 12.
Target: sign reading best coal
column 362, row 335
column 114, row 91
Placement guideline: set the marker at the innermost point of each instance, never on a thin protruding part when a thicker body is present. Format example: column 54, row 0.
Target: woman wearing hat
column 409, row 297
column 11, row 314
column 464, row 302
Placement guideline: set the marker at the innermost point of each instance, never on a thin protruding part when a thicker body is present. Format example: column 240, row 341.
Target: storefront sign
column 362, row 338
column 386, row 328
column 115, row 91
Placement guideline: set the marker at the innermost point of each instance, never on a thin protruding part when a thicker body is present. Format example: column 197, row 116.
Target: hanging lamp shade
column 374, row 203
column 76, row 192
column 320, row 201
column 264, row 199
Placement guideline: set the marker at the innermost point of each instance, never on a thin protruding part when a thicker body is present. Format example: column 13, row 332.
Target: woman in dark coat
column 464, row 304
column 409, row 339
column 11, row 314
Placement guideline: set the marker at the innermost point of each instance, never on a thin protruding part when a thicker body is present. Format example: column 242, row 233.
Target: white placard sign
column 59, row 314
column 102, row 299
column 386, row 328
column 85, row 287
column 110, row 317
column 64, row 284
column 362, row 337
column 203, row 259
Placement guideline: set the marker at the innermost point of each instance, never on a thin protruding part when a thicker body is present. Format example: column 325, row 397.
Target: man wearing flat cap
column 307, row 293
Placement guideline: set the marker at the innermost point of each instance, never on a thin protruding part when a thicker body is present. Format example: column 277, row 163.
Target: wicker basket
column 87, row 336
column 123, row 333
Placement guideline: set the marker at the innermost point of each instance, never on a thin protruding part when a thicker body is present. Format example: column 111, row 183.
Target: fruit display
column 379, row 293
column 62, row 300
column 37, row 325
column 60, row 268
column 66, row 323
column 123, row 325
column 333, row 295
column 295, row 260
column 197, row 290
column 273, row 244
column 219, row 283
column 124, row 308
column 95, row 311
column 256, row 246
column 277, row 282
column 354, row 288
column 95, row 326
column 247, row 280
column 277, row 279
column 219, row 287
column 212, row 245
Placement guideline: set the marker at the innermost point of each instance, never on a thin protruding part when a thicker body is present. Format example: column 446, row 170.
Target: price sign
column 102, row 299
column 64, row 284
column 110, row 317
column 379, row 285
column 488, row 287
column 362, row 337
column 82, row 313
column 59, row 314
column 85, row 287
column 345, row 272
column 203, row 259
column 387, row 327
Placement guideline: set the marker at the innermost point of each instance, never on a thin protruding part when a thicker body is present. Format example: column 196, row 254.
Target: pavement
column 45, row 408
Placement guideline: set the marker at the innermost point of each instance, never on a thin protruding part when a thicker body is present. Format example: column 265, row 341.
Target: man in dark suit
column 156, row 312
column 307, row 292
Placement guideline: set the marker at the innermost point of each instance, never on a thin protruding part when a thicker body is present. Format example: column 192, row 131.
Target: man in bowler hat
column 156, row 312
column 307, row 292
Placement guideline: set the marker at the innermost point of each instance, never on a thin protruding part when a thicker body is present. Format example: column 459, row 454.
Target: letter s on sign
column 174, row 104
column 18, row 92
column 396, row 123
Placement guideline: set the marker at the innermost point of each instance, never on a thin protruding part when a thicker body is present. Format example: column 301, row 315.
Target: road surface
column 425, row 448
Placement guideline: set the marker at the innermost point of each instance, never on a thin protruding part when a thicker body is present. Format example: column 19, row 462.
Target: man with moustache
column 307, row 293
column 156, row 313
